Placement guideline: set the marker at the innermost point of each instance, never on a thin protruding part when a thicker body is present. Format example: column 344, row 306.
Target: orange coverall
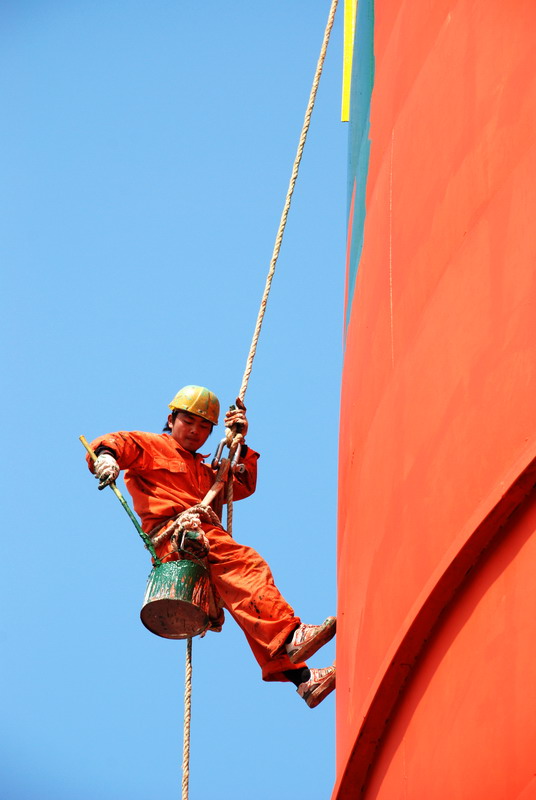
column 164, row 479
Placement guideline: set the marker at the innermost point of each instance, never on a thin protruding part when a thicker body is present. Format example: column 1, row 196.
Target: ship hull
column 437, row 508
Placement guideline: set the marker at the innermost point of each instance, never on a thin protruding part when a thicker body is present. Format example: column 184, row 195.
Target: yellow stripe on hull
column 350, row 13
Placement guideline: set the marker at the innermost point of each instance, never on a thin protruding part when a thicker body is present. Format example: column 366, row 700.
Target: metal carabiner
column 234, row 461
column 216, row 461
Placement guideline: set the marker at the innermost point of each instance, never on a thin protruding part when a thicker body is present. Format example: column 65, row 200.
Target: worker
column 166, row 475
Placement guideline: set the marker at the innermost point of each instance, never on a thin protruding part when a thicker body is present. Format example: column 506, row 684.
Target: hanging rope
column 229, row 499
column 288, row 199
column 236, row 441
column 187, row 717
column 279, row 236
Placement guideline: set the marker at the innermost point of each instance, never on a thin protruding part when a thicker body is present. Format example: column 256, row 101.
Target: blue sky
column 145, row 152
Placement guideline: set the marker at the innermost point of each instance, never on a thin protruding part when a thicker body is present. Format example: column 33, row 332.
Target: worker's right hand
column 106, row 469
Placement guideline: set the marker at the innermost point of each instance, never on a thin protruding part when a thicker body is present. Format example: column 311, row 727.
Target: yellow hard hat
column 197, row 400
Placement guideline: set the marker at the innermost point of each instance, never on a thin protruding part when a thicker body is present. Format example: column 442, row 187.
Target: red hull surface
column 436, row 644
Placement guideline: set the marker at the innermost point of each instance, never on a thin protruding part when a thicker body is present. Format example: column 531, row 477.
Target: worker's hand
column 106, row 469
column 195, row 543
column 188, row 537
column 237, row 416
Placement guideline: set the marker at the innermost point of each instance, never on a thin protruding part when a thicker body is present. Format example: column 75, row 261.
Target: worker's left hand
column 191, row 540
column 195, row 543
column 237, row 416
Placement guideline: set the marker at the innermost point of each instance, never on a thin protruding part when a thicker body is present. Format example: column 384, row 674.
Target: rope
column 284, row 215
column 280, row 232
column 229, row 498
column 235, row 440
column 187, row 717
column 249, row 364
column 190, row 519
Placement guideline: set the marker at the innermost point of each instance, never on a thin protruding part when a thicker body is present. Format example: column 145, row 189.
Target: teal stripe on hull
column 358, row 136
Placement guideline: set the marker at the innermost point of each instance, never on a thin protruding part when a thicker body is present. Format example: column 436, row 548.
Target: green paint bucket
column 176, row 602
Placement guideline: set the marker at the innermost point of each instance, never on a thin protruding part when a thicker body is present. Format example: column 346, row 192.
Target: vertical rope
column 280, row 232
column 249, row 364
column 229, row 498
column 187, row 718
column 292, row 183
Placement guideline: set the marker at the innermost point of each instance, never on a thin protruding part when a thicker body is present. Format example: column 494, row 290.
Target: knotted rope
column 190, row 519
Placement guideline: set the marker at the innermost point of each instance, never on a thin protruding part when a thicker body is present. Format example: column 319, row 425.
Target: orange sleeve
column 127, row 451
column 244, row 483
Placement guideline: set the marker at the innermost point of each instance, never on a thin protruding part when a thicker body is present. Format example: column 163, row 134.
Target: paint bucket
column 176, row 602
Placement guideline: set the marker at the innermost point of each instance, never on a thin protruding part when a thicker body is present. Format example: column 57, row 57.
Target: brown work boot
column 307, row 639
column 320, row 684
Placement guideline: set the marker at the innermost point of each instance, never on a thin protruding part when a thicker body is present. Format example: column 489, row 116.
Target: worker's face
column 189, row 430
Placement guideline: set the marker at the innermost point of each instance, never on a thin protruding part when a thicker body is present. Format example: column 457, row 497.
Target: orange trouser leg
column 245, row 585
